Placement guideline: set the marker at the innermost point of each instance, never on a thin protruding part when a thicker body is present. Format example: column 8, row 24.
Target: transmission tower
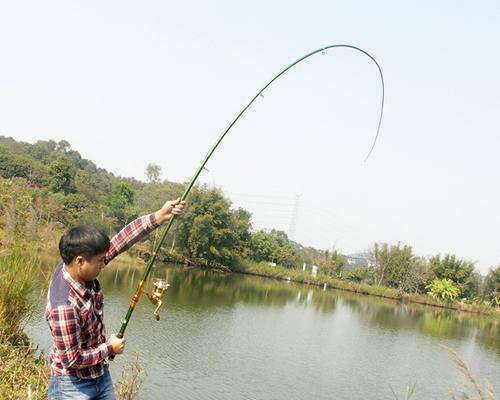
column 293, row 219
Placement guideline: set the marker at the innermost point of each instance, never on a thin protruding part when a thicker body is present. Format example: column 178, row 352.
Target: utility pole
column 293, row 220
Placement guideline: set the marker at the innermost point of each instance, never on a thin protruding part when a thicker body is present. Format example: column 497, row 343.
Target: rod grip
column 119, row 335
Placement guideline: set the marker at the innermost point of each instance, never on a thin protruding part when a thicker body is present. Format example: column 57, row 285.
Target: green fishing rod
column 156, row 296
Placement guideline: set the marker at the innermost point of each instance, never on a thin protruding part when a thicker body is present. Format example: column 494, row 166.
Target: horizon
column 358, row 254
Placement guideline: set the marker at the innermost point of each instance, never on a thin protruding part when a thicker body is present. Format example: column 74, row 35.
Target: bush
column 443, row 289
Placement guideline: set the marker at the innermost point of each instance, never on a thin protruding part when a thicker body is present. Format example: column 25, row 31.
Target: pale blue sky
column 128, row 83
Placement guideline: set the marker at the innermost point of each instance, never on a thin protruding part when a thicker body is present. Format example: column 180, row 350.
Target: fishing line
column 140, row 287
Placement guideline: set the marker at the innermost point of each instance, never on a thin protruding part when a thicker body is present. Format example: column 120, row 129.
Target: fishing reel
column 160, row 288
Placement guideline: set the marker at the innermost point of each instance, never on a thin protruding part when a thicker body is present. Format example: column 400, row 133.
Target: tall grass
column 23, row 373
column 21, row 282
column 475, row 390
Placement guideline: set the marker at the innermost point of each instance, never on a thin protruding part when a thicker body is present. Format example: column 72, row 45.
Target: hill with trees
column 47, row 187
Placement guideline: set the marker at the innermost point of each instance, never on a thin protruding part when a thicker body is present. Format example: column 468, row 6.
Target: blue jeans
column 72, row 387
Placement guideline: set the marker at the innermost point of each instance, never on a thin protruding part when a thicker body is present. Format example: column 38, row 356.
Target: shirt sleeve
column 130, row 235
column 67, row 337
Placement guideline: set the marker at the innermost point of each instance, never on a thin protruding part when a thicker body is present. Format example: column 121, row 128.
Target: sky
column 131, row 83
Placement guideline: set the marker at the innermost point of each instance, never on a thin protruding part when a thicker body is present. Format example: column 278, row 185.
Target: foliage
column 120, row 202
column 23, row 373
column 21, row 166
column 457, row 270
column 16, row 301
column 61, row 176
column 492, row 286
column 443, row 289
column 397, row 267
column 332, row 264
column 211, row 232
column 130, row 382
column 15, row 207
column 273, row 246
column 361, row 274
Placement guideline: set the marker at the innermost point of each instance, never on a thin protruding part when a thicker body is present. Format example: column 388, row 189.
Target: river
column 232, row 336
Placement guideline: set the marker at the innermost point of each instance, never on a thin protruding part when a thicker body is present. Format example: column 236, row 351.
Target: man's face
column 88, row 270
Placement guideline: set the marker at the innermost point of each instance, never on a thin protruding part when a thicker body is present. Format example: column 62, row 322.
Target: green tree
column 332, row 264
column 61, row 176
column 396, row 266
column 460, row 272
column 273, row 246
column 210, row 231
column 492, row 285
column 22, row 166
column 120, row 202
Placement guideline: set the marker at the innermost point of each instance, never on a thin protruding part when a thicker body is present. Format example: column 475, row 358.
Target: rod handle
column 119, row 335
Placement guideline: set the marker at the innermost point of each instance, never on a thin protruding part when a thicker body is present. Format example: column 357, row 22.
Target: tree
column 210, row 231
column 332, row 264
column 460, row 272
column 153, row 172
column 273, row 246
column 396, row 266
column 61, row 177
column 492, row 285
column 120, row 203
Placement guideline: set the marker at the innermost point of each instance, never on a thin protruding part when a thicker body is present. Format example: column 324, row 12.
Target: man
column 74, row 308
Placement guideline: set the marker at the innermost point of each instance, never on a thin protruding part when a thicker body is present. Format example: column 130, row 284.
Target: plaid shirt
column 75, row 312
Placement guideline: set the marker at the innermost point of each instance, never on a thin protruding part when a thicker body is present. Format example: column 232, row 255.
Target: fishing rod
column 160, row 285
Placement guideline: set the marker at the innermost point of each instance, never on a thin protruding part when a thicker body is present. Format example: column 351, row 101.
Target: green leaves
column 273, row 246
column 61, row 176
column 120, row 203
column 210, row 231
column 443, row 289
column 460, row 272
column 396, row 266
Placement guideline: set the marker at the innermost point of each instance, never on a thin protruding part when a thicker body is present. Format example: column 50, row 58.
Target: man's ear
column 79, row 260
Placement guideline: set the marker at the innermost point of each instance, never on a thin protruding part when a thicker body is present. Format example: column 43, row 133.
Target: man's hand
column 173, row 207
column 117, row 344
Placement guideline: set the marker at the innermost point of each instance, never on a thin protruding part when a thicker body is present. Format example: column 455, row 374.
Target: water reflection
column 201, row 289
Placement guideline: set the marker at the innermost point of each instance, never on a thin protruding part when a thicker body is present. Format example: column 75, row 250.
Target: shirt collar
column 77, row 286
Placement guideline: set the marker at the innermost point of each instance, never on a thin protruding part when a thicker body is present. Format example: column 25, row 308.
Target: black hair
column 83, row 240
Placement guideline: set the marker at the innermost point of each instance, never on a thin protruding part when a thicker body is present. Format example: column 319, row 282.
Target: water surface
column 231, row 336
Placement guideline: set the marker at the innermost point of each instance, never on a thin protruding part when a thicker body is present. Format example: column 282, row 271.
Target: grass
column 23, row 373
column 474, row 391
column 130, row 382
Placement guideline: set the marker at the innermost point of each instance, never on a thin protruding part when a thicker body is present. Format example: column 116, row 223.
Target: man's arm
column 67, row 336
column 141, row 227
column 130, row 235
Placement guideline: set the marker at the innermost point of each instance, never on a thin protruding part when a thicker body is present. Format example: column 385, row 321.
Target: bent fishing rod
column 160, row 285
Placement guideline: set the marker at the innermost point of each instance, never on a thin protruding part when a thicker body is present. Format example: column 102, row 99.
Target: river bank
column 265, row 270
column 304, row 277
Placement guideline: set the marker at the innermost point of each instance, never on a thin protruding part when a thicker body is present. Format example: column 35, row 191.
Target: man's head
column 83, row 249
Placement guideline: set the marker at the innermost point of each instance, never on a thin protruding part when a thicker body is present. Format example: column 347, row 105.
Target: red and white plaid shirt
column 75, row 312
